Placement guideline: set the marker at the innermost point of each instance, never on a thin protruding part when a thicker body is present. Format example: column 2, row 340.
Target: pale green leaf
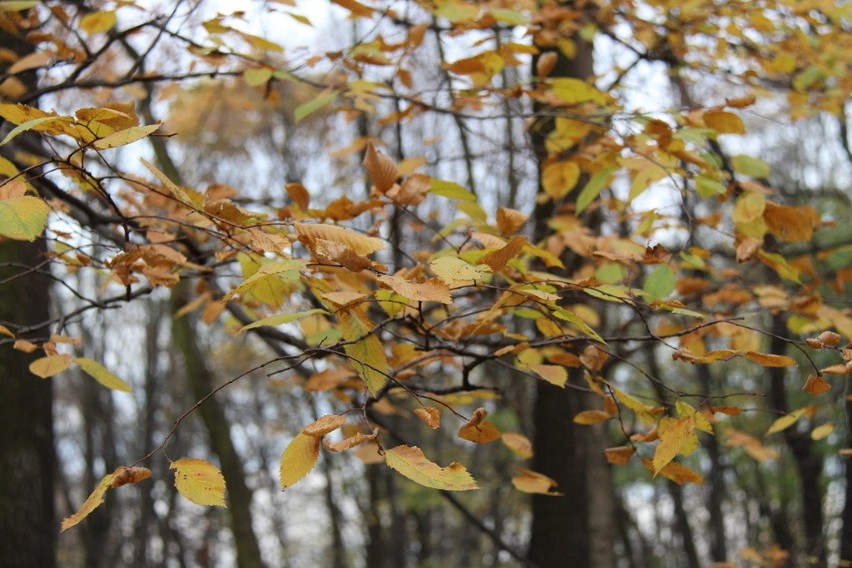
column 450, row 189
column 102, row 375
column 304, row 110
column 281, row 319
column 127, row 136
column 23, row 218
column 661, row 282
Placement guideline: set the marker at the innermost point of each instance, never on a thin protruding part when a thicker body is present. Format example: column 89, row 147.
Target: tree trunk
column 27, row 461
column 846, row 531
column 577, row 528
column 213, row 415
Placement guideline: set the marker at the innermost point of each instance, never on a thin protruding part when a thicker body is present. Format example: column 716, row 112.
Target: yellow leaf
column 822, row 431
column 789, row 419
column 724, row 122
column 553, row 374
column 455, row 272
column 92, row 502
column 410, row 462
column 429, row 415
column 479, row 430
column 528, row 481
column 790, row 224
column 673, row 434
column 367, row 354
column 324, row 425
column 510, row 220
column 640, row 409
column 97, row 22
column 50, row 365
column 127, row 136
column 573, row 91
column 518, row 443
column 23, row 218
column 298, row 459
column 102, row 375
column 588, row 417
column 559, row 178
column 199, row 481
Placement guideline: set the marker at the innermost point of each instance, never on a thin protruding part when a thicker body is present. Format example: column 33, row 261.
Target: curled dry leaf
column 510, row 220
column 829, row 338
column 479, row 430
column 124, row 475
column 350, row 442
column 382, row 169
column 324, row 425
column 429, row 415
column 619, row 455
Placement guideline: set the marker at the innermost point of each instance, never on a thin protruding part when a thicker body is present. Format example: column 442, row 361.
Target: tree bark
column 27, row 461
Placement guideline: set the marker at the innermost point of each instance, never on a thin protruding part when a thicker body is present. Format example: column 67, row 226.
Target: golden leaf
column 92, row 502
column 677, row 472
column 528, row 481
column 314, row 235
column 553, row 374
column 518, row 443
column 510, row 220
column 558, row 178
column 497, row 259
column 199, row 481
column 816, row 385
column 299, row 194
column 50, row 365
column 298, row 459
column 410, row 462
column 102, row 375
column 588, row 417
column 769, row 360
column 674, row 434
column 430, row 291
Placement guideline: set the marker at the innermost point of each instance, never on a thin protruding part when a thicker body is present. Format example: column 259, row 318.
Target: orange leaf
column 299, row 194
column 678, row 473
column 724, row 122
column 497, row 259
column 553, row 374
column 382, row 169
column 50, row 365
column 587, row 417
column 816, row 385
column 124, row 475
column 769, row 360
column 510, row 220
column 479, row 430
column 324, row 425
column 619, row 455
column 528, row 481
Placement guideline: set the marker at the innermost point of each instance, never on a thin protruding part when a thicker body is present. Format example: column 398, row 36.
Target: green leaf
column 708, row 187
column 661, row 282
column 593, row 188
column 102, row 375
column 281, row 319
column 23, row 218
column 257, row 76
column 123, row 137
column 29, row 125
column 749, row 166
column 17, row 5
column 304, row 110
column 450, row 189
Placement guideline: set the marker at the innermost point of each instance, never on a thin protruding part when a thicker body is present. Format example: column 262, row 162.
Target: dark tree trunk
column 28, row 526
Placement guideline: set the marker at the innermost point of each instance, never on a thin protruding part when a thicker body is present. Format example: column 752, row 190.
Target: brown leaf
column 518, row 443
column 124, row 475
column 545, row 63
column 497, row 259
column 829, row 338
column 299, row 194
column 382, row 169
column 619, row 455
column 510, row 220
column 350, row 442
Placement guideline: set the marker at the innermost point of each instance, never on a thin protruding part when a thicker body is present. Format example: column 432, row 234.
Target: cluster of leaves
column 316, row 278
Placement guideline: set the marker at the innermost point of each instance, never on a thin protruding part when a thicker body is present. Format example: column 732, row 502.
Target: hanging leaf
column 410, row 462
column 769, row 360
column 479, row 430
column 127, row 475
column 677, row 472
column 528, row 481
column 383, row 171
column 789, row 419
column 350, row 442
column 199, row 481
column 23, row 218
column 50, row 365
column 361, row 244
column 589, row 417
column 306, row 109
column 298, row 459
column 553, row 374
column 102, row 375
column 619, row 455
column 281, row 319
column 815, row 384
column 92, row 502
column 673, row 434
column 98, row 22
column 559, row 178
